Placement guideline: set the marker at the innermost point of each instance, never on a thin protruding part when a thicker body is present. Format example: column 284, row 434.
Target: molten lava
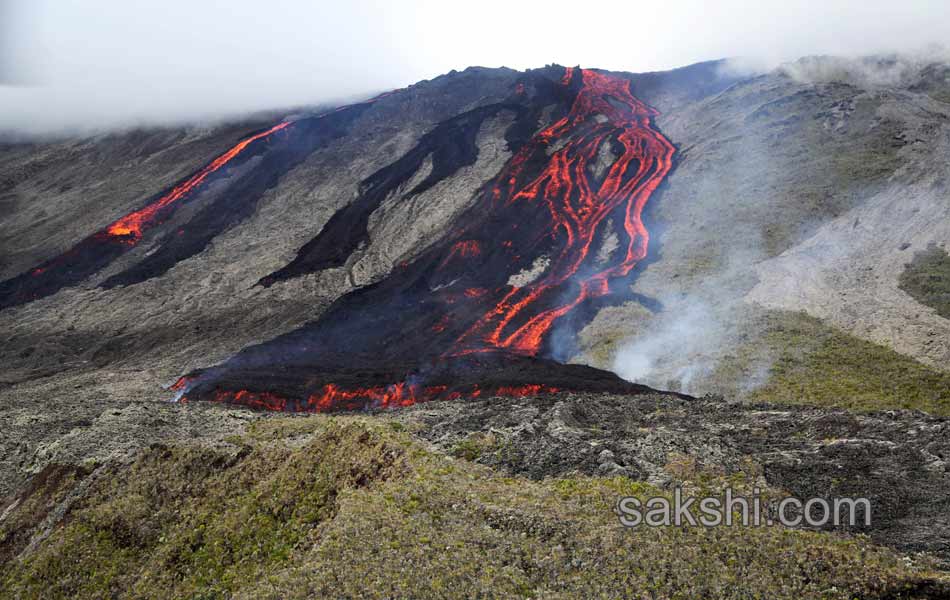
column 132, row 225
column 98, row 250
column 332, row 397
column 578, row 205
column 450, row 323
column 464, row 249
column 279, row 153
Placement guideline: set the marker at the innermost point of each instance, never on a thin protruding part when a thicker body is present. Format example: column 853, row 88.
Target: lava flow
column 578, row 205
column 331, row 397
column 484, row 310
column 101, row 248
column 279, row 148
column 130, row 227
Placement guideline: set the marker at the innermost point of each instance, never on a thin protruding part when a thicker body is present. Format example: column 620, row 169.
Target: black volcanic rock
column 592, row 164
column 896, row 459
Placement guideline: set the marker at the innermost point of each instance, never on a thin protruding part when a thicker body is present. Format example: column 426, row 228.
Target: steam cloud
column 893, row 70
column 683, row 346
column 657, row 357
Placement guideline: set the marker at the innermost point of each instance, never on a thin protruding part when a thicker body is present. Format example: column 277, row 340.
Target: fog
column 69, row 65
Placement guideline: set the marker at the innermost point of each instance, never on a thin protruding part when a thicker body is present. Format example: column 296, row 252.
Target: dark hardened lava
column 346, row 387
column 448, row 324
column 451, row 145
column 280, row 148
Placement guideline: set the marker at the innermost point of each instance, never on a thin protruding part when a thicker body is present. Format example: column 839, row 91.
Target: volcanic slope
column 453, row 310
column 319, row 243
column 184, row 296
column 807, row 189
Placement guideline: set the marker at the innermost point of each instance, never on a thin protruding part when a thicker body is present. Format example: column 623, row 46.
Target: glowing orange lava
column 333, row 397
column 595, row 166
column 131, row 225
column 578, row 205
column 466, row 249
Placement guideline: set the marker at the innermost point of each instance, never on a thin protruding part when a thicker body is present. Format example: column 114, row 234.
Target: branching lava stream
column 578, row 206
column 454, row 322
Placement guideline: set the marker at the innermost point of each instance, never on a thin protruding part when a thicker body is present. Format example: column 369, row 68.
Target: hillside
column 518, row 262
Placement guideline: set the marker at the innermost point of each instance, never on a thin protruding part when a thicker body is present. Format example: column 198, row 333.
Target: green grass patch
column 348, row 507
column 199, row 522
column 813, row 363
column 475, row 445
column 927, row 279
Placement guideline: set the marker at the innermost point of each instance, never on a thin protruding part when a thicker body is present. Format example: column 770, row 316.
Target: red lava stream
column 131, row 226
column 565, row 186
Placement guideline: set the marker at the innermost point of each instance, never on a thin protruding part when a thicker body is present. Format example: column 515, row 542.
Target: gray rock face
column 848, row 273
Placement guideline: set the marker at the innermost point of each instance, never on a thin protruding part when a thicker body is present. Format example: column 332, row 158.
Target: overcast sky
column 104, row 63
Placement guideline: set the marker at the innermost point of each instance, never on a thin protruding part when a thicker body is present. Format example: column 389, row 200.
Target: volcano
column 467, row 262
column 456, row 321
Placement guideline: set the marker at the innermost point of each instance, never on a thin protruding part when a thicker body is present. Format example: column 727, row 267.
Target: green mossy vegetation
column 47, row 490
column 927, row 279
column 351, row 507
column 475, row 445
column 813, row 363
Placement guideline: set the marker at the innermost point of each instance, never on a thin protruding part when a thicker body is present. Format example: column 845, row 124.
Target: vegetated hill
column 777, row 243
column 355, row 507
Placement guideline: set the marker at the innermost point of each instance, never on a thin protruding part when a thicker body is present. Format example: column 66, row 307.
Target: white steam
column 895, row 70
column 674, row 352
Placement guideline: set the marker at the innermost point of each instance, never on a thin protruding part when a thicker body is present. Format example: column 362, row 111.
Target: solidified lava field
column 487, row 309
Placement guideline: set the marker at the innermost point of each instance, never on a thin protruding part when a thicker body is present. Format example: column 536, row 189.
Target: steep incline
column 279, row 149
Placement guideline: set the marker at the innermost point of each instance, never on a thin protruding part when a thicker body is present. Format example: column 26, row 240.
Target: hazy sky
column 102, row 63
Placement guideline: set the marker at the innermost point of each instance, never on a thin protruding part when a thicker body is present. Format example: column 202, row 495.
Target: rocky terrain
column 356, row 507
column 896, row 459
column 782, row 275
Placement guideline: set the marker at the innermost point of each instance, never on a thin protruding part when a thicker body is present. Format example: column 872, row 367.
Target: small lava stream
column 130, row 227
column 101, row 248
column 279, row 148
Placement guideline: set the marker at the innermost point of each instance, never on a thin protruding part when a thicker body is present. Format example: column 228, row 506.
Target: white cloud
column 113, row 62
